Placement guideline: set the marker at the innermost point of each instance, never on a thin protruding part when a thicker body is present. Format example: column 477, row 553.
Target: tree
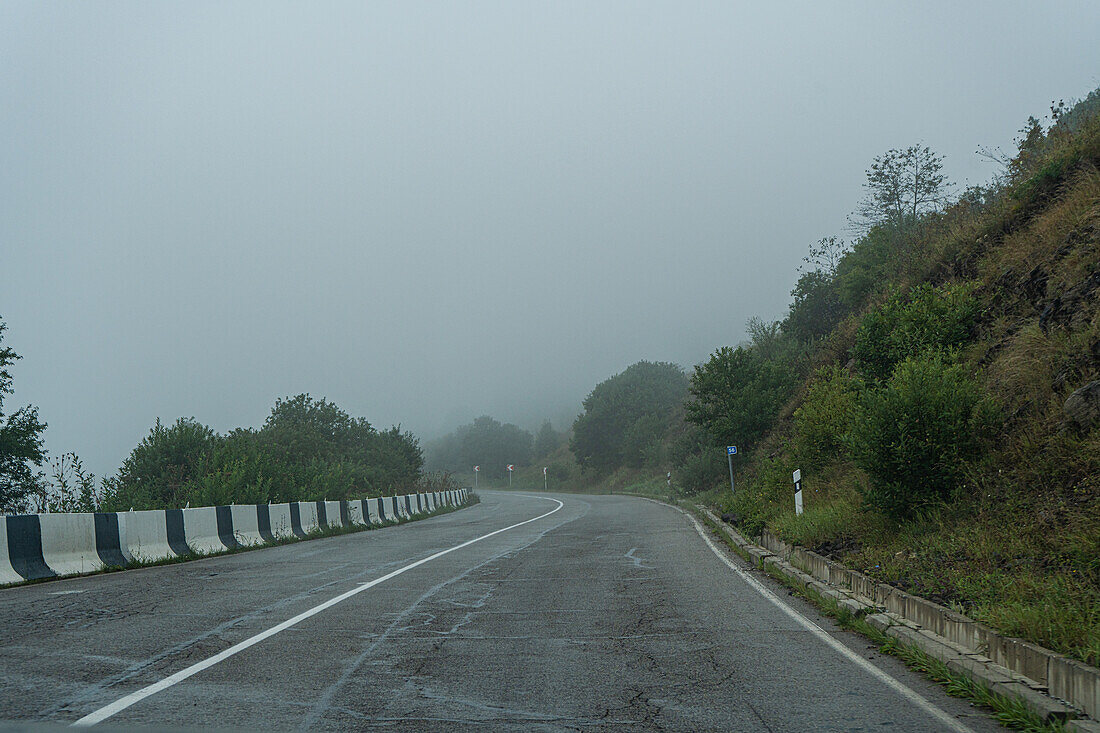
column 816, row 308
column 547, row 440
column 825, row 256
column 647, row 392
column 902, row 186
column 485, row 442
column 738, row 393
column 159, row 472
column 21, row 449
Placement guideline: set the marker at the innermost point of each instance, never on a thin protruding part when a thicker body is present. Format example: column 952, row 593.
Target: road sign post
column 477, row 470
column 544, row 478
column 510, row 467
column 731, row 451
column 798, row 491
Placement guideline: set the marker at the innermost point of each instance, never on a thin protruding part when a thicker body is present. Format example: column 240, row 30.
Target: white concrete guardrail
column 36, row 546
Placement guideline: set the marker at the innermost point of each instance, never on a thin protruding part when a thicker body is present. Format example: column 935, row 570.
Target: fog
column 427, row 212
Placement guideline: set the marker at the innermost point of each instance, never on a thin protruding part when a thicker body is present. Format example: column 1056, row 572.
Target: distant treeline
column 492, row 446
column 307, row 449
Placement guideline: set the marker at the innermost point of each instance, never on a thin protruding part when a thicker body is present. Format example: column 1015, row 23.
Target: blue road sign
column 731, row 450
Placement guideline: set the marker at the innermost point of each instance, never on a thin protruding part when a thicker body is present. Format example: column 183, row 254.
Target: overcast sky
column 430, row 211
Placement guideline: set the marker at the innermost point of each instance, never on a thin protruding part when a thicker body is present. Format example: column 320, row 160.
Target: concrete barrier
column 246, row 524
column 372, row 508
column 69, row 544
column 310, row 517
column 402, row 503
column 7, row 572
column 144, row 536
column 35, row 546
column 334, row 517
column 355, row 514
column 209, row 529
column 282, row 523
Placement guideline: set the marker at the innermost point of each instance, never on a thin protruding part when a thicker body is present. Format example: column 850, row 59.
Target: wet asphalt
column 609, row 614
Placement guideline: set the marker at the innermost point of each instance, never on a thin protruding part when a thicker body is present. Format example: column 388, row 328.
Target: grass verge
column 1011, row 712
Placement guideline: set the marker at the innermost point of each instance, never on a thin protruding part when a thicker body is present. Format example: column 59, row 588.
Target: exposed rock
column 731, row 518
column 1035, row 285
column 1072, row 308
column 1083, row 406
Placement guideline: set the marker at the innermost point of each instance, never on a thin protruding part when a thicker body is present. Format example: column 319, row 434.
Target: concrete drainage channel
column 43, row 546
column 1055, row 688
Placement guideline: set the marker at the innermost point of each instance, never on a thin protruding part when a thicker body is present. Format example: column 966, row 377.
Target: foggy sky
column 430, row 211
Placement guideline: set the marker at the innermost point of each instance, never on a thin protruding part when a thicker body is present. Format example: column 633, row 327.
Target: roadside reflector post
column 798, row 491
column 731, row 451
column 477, row 470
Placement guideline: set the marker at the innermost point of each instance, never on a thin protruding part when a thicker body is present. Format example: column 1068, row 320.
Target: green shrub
column 914, row 435
column 737, row 395
column 907, row 324
column 701, row 471
column 825, row 416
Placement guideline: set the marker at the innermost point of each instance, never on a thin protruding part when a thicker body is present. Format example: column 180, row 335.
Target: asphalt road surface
column 535, row 611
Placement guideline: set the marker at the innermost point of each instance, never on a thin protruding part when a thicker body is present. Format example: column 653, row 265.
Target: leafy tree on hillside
column 903, row 185
column 816, row 308
column 646, row 392
column 21, row 450
column 737, row 394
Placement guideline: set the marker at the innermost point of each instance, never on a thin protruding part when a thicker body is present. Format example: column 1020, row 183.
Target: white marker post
column 510, row 467
column 731, row 451
column 669, row 477
column 798, row 492
column 477, row 470
column 544, row 478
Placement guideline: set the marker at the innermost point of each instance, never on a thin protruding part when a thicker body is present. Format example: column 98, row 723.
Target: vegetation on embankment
column 946, row 429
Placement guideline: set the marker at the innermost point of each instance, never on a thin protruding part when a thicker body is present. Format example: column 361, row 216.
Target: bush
column 701, row 472
column 915, row 435
column 825, row 416
column 926, row 318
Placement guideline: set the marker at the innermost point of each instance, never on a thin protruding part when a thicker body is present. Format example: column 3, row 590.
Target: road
column 584, row 613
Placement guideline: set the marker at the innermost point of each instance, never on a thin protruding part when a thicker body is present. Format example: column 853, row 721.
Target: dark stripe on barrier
column 345, row 517
column 366, row 510
column 25, row 547
column 322, row 515
column 108, row 539
column 381, row 508
column 177, row 539
column 263, row 521
column 419, row 505
column 296, row 520
column 408, row 505
column 225, row 526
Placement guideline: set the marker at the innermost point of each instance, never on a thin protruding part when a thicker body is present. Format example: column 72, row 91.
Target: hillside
column 946, row 428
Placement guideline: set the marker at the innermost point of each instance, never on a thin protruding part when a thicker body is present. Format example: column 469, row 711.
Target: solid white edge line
column 898, row 687
column 139, row 695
